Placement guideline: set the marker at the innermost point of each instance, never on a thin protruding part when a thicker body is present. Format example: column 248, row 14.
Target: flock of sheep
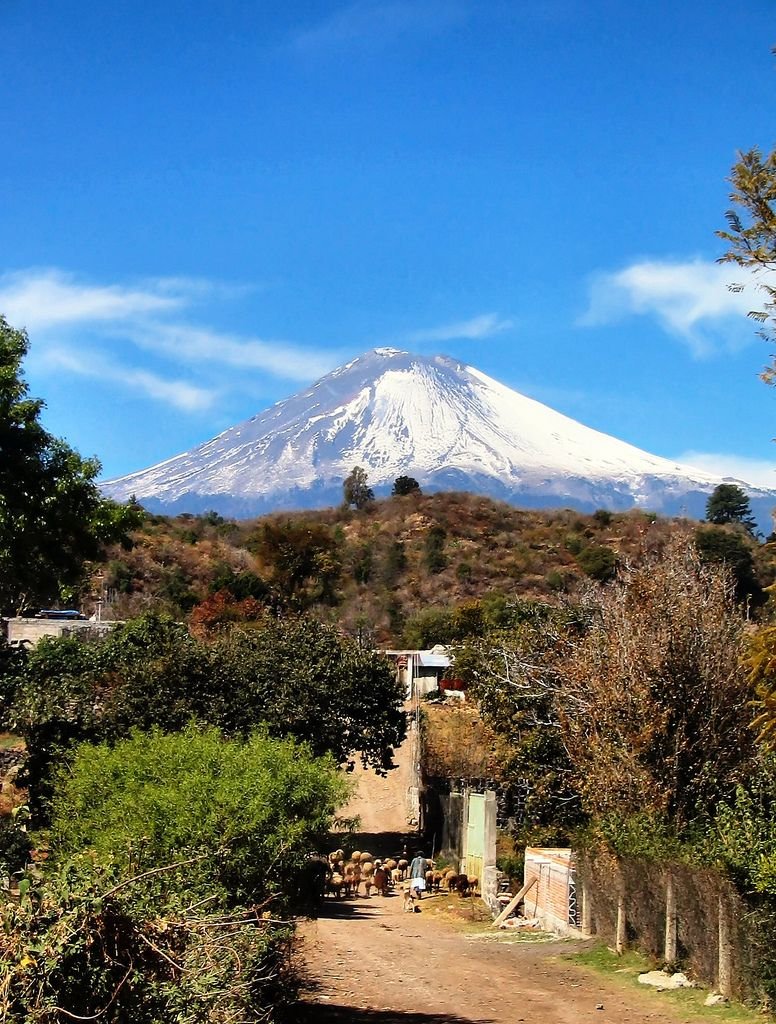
column 346, row 877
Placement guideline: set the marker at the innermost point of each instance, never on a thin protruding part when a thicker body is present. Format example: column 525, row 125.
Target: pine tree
column 728, row 503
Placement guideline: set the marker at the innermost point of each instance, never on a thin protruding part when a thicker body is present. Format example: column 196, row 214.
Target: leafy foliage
column 751, row 232
column 512, row 676
column 492, row 552
column 221, row 611
column 634, row 702
column 652, row 699
column 300, row 560
column 52, row 517
column 745, row 829
column 156, row 798
column 724, row 546
column 12, row 663
column 155, row 904
column 166, row 916
column 761, row 663
column 435, row 557
column 598, row 561
column 85, row 943
column 299, row 677
column 356, row 492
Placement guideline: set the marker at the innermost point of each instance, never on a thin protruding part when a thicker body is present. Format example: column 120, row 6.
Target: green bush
column 247, row 812
column 598, row 561
column 171, row 857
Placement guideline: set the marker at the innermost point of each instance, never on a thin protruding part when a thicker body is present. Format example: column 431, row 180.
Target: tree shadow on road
column 357, row 907
column 316, row 1013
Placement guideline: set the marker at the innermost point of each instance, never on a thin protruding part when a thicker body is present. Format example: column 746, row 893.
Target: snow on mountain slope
column 446, row 424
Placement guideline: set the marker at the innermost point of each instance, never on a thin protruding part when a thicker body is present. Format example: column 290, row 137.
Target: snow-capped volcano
column 444, row 423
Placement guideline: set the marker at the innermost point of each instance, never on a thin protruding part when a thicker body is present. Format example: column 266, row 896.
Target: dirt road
column 382, row 802
column 366, row 961
column 369, row 962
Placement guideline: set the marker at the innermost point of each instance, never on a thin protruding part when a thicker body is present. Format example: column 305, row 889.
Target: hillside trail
column 367, row 961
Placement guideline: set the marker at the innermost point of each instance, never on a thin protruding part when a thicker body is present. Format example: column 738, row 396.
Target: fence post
column 725, row 967
column 587, row 911
column 669, row 952
column 621, row 936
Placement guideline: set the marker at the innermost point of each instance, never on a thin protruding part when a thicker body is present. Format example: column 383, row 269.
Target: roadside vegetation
column 177, row 780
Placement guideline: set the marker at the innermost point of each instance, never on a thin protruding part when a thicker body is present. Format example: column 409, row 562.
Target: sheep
column 334, row 884
column 403, row 865
column 450, row 879
column 466, row 884
column 352, row 878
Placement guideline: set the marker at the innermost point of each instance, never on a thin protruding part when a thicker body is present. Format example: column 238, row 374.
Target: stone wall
column 722, row 939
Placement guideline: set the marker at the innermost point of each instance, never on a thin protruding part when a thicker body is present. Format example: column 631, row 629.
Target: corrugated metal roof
column 430, row 659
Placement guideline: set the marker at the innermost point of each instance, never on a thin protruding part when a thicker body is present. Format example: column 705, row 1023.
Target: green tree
column 511, row 675
column 296, row 676
column 52, row 516
column 751, row 233
column 301, row 560
column 723, row 546
column 436, row 560
column 404, row 485
column 428, row 627
column 303, row 679
column 395, row 562
column 356, row 491
column 728, row 503
column 190, row 842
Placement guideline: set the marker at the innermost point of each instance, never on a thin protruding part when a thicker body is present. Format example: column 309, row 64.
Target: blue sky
column 208, row 205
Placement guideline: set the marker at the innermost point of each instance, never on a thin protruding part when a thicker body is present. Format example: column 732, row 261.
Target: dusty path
column 383, row 802
column 368, row 962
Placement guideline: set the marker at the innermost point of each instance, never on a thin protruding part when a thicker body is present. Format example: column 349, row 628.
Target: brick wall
column 552, row 869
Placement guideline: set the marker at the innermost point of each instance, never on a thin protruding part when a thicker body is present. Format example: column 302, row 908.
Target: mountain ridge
column 434, row 418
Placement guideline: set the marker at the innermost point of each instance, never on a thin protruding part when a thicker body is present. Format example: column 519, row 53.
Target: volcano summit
column 444, row 423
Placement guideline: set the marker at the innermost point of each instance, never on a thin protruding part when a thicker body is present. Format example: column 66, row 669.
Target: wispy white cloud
column 151, row 319
column 44, row 298
column 691, row 299
column 369, row 23
column 478, row 327
column 200, row 344
column 758, row 472
column 178, row 393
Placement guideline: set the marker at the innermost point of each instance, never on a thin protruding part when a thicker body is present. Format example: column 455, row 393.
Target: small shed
column 421, row 672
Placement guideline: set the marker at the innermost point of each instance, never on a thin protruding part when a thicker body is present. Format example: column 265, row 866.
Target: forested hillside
column 384, row 573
